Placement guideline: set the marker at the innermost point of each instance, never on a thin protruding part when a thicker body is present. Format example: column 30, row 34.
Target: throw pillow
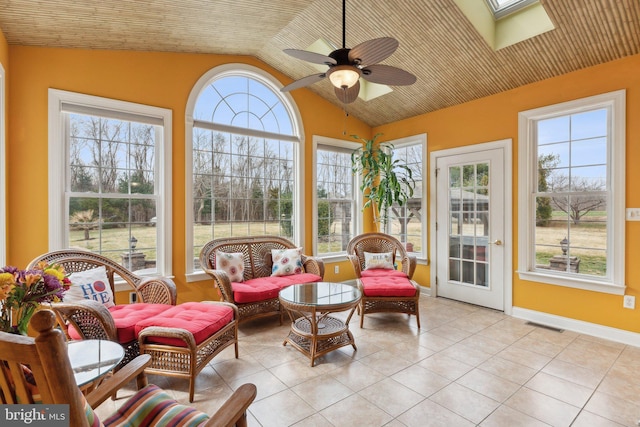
column 232, row 264
column 90, row 284
column 286, row 262
column 382, row 260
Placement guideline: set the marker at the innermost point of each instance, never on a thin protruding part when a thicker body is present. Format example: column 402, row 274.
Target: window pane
column 112, row 159
column 336, row 204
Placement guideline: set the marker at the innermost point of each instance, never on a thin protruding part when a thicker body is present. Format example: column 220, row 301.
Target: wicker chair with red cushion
column 374, row 257
column 88, row 319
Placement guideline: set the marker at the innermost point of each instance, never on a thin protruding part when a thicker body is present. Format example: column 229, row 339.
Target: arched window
column 243, row 146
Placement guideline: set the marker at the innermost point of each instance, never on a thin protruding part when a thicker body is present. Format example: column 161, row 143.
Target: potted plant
column 385, row 181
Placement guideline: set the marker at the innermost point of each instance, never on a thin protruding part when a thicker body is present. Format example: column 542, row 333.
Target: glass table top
column 323, row 294
column 91, row 359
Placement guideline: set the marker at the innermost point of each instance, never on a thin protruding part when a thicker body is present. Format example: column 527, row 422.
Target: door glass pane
column 469, row 224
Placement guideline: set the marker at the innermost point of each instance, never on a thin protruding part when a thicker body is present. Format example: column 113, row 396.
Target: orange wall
column 4, row 63
column 159, row 79
column 496, row 117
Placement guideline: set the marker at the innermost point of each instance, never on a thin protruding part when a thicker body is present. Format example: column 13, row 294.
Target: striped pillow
column 153, row 406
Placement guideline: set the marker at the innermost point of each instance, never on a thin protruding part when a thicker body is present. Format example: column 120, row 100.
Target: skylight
column 501, row 8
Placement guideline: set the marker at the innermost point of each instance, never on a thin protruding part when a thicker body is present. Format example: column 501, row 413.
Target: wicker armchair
column 91, row 319
column 46, row 356
column 256, row 252
column 370, row 302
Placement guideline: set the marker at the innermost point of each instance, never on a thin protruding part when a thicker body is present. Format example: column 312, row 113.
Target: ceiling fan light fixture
column 344, row 76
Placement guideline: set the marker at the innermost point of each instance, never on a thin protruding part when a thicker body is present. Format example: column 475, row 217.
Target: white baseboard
column 606, row 332
column 424, row 291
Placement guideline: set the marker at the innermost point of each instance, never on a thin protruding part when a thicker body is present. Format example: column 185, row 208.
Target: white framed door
column 471, row 231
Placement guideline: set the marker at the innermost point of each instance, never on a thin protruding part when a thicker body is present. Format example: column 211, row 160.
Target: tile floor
column 467, row 366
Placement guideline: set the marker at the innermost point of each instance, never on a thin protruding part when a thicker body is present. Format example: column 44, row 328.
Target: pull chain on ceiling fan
column 346, row 66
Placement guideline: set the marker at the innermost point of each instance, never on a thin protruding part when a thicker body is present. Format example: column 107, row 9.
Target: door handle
column 496, row 242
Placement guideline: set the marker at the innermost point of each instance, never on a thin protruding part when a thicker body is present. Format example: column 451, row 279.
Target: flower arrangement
column 22, row 291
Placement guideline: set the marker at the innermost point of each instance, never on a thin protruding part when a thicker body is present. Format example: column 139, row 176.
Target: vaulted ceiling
column 452, row 61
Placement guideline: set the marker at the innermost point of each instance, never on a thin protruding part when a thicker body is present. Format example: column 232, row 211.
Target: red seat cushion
column 387, row 285
column 379, row 272
column 201, row 319
column 125, row 317
column 264, row 288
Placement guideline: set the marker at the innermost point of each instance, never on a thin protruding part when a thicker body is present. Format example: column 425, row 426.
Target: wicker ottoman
column 184, row 338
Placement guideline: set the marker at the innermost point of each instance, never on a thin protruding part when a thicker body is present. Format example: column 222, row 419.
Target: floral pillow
column 90, row 284
column 232, row 264
column 286, row 262
column 378, row 260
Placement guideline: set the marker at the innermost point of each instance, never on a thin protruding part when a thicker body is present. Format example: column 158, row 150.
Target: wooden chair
column 92, row 320
column 46, row 357
column 372, row 301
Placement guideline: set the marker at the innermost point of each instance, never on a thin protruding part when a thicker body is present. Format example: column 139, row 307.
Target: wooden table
column 313, row 331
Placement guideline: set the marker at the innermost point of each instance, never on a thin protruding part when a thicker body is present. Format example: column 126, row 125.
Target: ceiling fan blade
column 313, row 57
column 348, row 95
column 305, row 81
column 373, row 51
column 388, row 75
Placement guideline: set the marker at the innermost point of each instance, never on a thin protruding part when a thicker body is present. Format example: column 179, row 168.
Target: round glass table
column 92, row 359
column 313, row 331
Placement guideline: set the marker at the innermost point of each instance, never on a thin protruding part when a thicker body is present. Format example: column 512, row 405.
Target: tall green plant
column 385, row 181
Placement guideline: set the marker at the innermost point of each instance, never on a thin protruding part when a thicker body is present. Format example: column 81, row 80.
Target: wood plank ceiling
column 438, row 44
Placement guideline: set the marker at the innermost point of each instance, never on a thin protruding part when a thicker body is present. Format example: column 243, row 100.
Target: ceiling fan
column 346, row 66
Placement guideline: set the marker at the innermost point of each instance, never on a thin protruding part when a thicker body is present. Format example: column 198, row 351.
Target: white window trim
column 615, row 284
column 3, row 171
column 58, row 154
column 422, row 140
column 228, row 70
column 357, row 217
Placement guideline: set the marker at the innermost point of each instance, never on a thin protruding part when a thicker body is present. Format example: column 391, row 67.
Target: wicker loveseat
column 256, row 295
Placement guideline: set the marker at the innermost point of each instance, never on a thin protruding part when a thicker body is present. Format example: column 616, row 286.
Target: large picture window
column 407, row 223
column 572, row 197
column 244, row 155
column 110, row 197
column 338, row 200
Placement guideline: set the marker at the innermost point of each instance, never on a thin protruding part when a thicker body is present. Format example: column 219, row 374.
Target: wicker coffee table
column 313, row 331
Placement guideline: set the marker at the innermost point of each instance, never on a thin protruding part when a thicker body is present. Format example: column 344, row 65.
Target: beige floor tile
column 386, row 362
column 451, row 333
column 576, row 374
column 357, row 375
column 295, row 372
column 542, row 407
column 614, row 409
column 421, row 380
column 266, row 383
column 356, row 411
column 623, row 387
column 537, row 345
column 508, row 370
column 465, row 402
column 315, row 420
column 507, row 417
column 445, row 366
column 488, row 385
column 391, row 396
column 560, row 389
column 486, row 344
column 524, row 357
column 587, row 419
column 469, row 355
column 429, row 414
column 434, row 342
column 232, row 369
column 281, row 409
column 321, row 392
